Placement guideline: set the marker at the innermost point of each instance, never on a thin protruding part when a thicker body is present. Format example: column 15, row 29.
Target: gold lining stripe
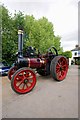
column 41, row 61
column 29, row 62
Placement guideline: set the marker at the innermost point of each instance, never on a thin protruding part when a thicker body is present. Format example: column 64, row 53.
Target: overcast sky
column 62, row 13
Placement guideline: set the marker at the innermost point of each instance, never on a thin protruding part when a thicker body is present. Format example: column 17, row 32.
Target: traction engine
column 23, row 73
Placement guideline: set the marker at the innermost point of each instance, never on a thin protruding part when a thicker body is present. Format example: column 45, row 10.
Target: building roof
column 77, row 48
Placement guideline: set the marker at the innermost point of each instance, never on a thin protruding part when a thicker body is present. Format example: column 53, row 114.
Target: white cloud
column 62, row 13
column 69, row 40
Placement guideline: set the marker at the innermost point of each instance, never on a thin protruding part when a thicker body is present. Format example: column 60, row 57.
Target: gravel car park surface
column 48, row 99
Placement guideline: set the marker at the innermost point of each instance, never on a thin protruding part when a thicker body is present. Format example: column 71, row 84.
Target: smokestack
column 20, row 43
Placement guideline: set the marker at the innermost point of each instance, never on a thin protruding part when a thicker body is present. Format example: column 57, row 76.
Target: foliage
column 77, row 62
column 0, row 34
column 8, row 45
column 67, row 54
column 40, row 34
column 37, row 33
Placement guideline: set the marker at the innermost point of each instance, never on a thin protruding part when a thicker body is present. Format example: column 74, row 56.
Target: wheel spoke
column 30, row 83
column 57, row 67
column 23, row 75
column 60, row 76
column 26, row 85
column 20, row 84
column 58, row 70
column 23, row 86
column 58, row 64
column 63, row 66
column 62, row 61
column 19, row 78
column 27, row 74
column 62, row 72
column 59, row 73
column 30, row 78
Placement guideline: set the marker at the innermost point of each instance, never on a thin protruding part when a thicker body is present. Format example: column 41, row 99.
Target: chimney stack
column 20, row 42
column 77, row 46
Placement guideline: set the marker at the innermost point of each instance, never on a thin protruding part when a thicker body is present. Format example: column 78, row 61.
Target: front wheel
column 23, row 80
column 59, row 68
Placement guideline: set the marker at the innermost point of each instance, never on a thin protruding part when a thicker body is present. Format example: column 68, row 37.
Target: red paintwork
column 36, row 62
column 11, row 72
column 61, row 68
column 19, row 81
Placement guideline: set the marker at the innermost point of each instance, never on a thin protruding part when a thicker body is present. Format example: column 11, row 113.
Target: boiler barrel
column 31, row 62
column 35, row 62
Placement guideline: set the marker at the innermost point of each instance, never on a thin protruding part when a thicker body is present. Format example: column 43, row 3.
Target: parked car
column 4, row 68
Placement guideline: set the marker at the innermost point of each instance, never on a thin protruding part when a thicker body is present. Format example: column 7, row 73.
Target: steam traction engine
column 22, row 74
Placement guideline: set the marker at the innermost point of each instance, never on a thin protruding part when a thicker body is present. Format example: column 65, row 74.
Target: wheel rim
column 11, row 72
column 24, row 81
column 61, row 68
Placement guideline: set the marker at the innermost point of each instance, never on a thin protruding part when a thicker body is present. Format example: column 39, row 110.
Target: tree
column 57, row 44
column 0, row 33
column 40, row 34
column 10, row 27
column 37, row 33
column 67, row 54
column 8, row 45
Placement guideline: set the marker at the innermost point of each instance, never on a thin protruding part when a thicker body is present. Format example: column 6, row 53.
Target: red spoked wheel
column 11, row 72
column 59, row 68
column 23, row 80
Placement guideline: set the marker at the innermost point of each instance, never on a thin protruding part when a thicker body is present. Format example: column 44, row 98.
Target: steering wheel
column 51, row 49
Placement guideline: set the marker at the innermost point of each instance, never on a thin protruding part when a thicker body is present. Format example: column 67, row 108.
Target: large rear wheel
column 59, row 68
column 23, row 80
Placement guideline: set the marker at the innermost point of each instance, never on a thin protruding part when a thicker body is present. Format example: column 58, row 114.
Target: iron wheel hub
column 61, row 68
column 25, row 81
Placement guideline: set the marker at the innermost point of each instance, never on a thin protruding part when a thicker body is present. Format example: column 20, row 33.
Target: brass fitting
column 20, row 32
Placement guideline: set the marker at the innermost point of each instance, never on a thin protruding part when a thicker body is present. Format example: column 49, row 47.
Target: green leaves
column 67, row 54
column 40, row 33
column 8, row 36
column 37, row 33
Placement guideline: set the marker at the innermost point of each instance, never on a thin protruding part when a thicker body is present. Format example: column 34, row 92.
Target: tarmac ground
column 48, row 99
